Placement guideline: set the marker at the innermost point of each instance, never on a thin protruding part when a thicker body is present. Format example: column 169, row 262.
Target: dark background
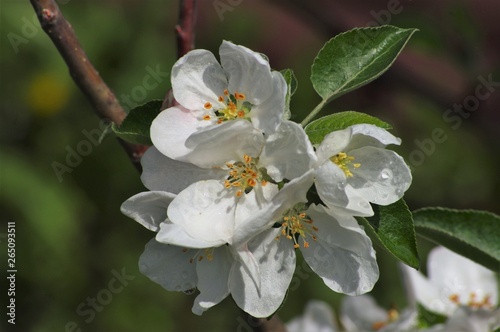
column 71, row 237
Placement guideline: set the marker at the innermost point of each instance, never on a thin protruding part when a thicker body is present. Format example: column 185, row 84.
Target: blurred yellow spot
column 47, row 94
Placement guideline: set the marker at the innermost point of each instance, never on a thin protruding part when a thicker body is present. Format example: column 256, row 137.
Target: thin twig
column 82, row 71
column 184, row 29
column 184, row 33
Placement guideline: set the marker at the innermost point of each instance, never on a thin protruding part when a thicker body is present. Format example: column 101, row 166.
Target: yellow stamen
column 239, row 96
column 343, row 161
column 454, row 298
column 296, row 224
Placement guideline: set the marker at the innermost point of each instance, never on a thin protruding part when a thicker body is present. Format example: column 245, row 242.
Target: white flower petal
column 268, row 115
column 228, row 141
column 288, row 153
column 292, row 193
column 249, row 265
column 426, row 293
column 205, row 210
column 213, row 280
column 256, row 200
column 330, row 184
column 466, row 320
column 165, row 174
column 332, row 144
column 343, row 258
column 247, row 71
column 174, row 234
column 382, row 177
column 169, row 266
column 170, row 130
column 318, row 317
column 276, row 261
column 359, row 313
column 198, row 78
column 371, row 135
column 407, row 321
column 148, row 208
column 455, row 274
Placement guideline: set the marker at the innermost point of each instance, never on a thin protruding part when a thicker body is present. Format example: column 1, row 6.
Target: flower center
column 344, row 161
column 474, row 302
column 244, row 175
column 392, row 315
column 235, row 107
column 296, row 224
column 208, row 253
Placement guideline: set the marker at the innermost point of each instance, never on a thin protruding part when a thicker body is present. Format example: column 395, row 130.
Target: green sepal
column 135, row 127
column 291, row 82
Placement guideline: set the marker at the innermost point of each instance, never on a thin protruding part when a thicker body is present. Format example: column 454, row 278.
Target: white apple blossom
column 362, row 314
column 195, row 264
column 354, row 169
column 466, row 319
column 453, row 281
column 210, row 209
column 318, row 317
column 221, row 105
column 333, row 244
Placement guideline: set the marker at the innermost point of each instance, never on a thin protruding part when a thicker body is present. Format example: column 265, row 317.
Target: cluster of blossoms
column 462, row 291
column 231, row 181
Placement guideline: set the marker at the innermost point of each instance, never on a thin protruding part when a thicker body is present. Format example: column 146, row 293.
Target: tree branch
column 184, row 29
column 82, row 71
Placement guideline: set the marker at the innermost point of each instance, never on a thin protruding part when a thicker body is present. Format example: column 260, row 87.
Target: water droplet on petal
column 386, row 174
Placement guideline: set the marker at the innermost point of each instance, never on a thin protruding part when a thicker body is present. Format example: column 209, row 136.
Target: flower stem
column 314, row 112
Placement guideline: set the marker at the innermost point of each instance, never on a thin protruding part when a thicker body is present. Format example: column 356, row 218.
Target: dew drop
column 386, row 174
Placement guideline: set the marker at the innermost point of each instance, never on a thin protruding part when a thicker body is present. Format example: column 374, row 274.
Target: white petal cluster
column 458, row 288
column 229, row 180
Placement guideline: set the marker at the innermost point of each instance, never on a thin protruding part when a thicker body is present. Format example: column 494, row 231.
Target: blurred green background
column 71, row 237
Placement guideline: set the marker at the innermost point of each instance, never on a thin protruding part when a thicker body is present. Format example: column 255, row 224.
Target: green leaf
column 291, row 82
column 392, row 227
column 472, row 234
column 355, row 58
column 135, row 127
column 318, row 129
column 428, row 318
